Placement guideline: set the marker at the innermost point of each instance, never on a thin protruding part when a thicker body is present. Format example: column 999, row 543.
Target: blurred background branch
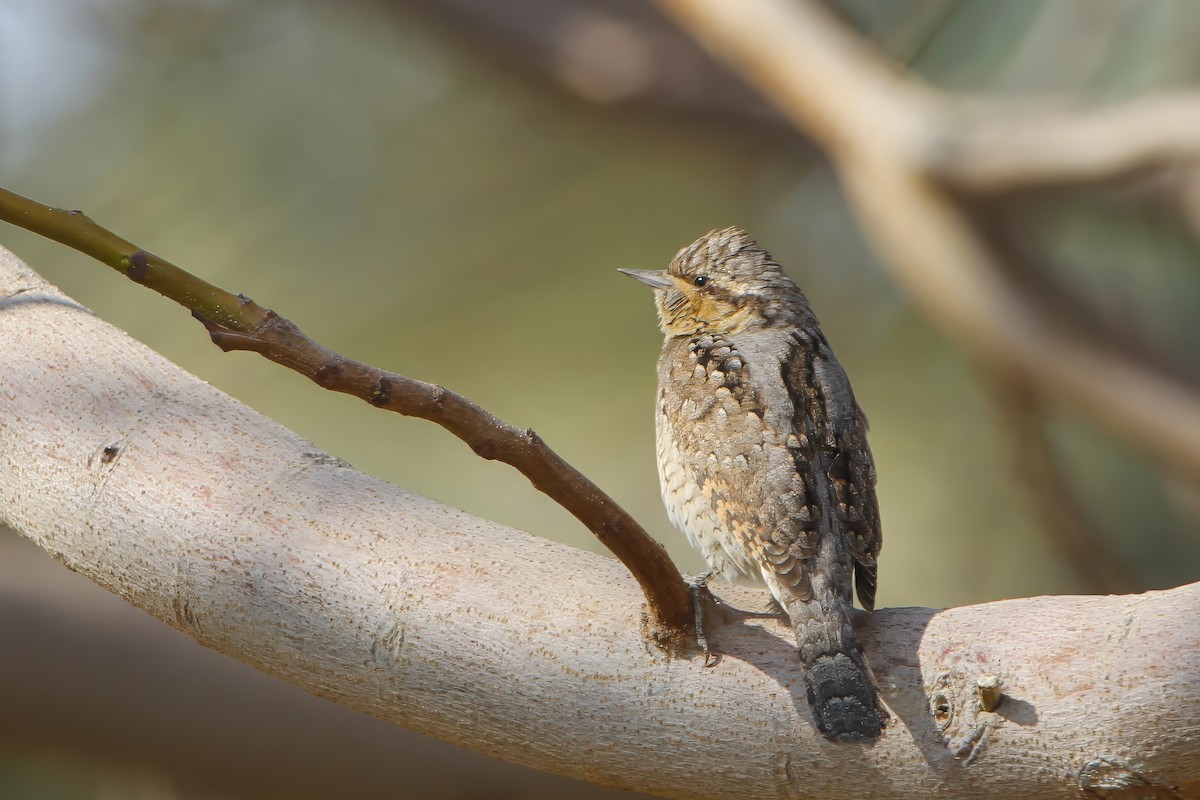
column 1008, row 146
column 529, row 148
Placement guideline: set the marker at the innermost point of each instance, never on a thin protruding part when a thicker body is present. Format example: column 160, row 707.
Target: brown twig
column 882, row 130
column 235, row 322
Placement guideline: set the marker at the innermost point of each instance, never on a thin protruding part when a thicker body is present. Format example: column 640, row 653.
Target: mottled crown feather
column 730, row 250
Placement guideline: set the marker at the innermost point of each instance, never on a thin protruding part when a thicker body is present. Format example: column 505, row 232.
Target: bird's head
column 722, row 283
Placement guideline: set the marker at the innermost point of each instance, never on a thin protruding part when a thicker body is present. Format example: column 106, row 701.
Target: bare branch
column 880, row 129
column 1015, row 147
column 237, row 323
column 227, row 526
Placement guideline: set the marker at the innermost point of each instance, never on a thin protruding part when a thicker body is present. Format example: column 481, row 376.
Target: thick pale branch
column 82, row 671
column 237, row 323
column 882, row 131
column 234, row 530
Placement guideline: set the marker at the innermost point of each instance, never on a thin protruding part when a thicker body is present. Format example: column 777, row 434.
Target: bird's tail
column 841, row 689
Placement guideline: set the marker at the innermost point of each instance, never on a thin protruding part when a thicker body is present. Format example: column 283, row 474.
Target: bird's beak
column 654, row 278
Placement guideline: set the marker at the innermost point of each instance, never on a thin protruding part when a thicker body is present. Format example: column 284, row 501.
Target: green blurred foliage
column 44, row 779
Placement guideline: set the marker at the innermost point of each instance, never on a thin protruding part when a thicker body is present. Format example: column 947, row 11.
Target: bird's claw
column 701, row 595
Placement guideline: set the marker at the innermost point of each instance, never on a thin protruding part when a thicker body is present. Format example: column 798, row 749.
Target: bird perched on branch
column 763, row 458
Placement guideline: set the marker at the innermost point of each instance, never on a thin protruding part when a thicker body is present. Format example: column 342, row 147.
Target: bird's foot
column 701, row 595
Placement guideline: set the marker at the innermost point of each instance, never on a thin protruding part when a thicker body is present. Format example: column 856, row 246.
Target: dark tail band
column 845, row 705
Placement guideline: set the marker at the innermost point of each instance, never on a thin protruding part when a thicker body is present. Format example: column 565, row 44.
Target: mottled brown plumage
column 763, row 458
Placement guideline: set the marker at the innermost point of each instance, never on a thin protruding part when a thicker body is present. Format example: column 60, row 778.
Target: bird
column 763, row 459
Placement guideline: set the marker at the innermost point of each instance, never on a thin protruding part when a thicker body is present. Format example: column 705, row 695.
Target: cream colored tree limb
column 236, row 531
column 85, row 673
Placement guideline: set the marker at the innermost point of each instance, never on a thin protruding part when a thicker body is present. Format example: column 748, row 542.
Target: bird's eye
column 700, row 280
